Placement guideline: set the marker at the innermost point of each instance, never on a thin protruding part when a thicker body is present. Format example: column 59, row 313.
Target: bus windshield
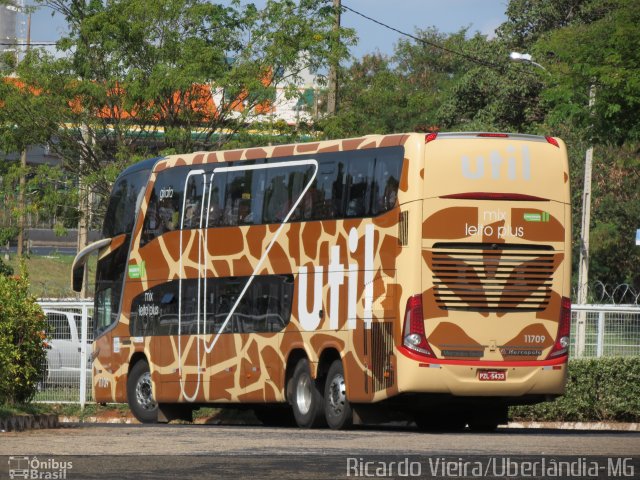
column 124, row 204
column 126, row 197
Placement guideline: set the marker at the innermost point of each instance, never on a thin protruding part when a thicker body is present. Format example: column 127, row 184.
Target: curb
column 594, row 426
column 20, row 423
column 590, row 426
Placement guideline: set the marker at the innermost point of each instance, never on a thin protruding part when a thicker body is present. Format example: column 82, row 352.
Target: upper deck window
column 349, row 184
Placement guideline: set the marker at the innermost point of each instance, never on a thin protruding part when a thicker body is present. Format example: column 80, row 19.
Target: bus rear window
column 124, row 203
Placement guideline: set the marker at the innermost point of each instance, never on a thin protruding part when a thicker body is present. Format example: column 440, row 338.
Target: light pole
column 524, row 58
column 583, row 271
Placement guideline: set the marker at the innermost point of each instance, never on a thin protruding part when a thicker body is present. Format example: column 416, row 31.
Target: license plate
column 492, row 375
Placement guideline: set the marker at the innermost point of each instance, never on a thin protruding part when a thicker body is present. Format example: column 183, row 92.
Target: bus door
column 191, row 287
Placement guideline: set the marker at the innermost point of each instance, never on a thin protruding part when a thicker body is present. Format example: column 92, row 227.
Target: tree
column 605, row 54
column 372, row 99
column 192, row 70
column 529, row 20
column 381, row 94
column 488, row 93
column 588, row 44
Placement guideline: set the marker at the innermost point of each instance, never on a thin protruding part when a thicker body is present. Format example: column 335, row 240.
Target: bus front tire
column 337, row 408
column 306, row 397
column 139, row 393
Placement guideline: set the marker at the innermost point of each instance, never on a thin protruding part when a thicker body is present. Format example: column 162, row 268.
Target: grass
column 64, row 409
column 50, row 276
column 30, row 409
column 95, row 410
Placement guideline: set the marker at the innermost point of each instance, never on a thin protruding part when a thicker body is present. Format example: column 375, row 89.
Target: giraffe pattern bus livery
column 445, row 256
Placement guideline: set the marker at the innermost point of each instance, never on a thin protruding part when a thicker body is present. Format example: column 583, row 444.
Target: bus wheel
column 139, row 393
column 336, row 406
column 306, row 397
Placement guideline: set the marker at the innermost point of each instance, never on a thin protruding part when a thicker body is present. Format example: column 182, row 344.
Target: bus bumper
column 510, row 380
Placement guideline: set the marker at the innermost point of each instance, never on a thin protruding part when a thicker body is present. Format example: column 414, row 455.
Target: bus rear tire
column 139, row 393
column 337, row 408
column 306, row 397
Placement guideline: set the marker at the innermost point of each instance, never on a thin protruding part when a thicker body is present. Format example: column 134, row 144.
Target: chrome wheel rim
column 303, row 394
column 337, row 395
column 144, row 394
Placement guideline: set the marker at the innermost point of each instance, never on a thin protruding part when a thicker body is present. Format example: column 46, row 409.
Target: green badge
column 137, row 271
column 537, row 217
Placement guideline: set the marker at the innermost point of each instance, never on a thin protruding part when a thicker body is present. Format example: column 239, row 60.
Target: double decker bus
column 424, row 275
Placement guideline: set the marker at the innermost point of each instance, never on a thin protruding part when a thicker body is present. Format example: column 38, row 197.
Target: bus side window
column 318, row 202
column 237, row 203
column 385, row 184
column 215, row 199
column 275, row 195
column 193, row 203
column 297, row 182
column 358, row 185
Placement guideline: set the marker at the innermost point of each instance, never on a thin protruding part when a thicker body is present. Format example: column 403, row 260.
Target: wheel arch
column 135, row 358
column 327, row 357
column 293, row 358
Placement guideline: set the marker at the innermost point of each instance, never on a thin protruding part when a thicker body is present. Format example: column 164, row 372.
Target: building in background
column 11, row 26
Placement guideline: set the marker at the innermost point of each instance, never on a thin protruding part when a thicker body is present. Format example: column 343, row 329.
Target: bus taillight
column 552, row 141
column 561, row 346
column 413, row 334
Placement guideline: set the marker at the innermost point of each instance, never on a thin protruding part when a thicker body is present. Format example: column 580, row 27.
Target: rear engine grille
column 492, row 280
column 381, row 351
column 403, row 229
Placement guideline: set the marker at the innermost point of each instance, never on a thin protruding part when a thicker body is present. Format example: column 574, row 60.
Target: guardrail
column 596, row 331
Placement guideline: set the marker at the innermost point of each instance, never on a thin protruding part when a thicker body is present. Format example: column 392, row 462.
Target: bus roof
column 141, row 165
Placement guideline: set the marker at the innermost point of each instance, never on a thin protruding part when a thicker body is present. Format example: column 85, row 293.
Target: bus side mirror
column 78, row 265
column 77, row 277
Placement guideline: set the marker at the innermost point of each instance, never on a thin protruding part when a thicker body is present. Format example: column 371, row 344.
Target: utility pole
column 84, row 207
column 583, row 272
column 333, row 68
column 23, row 168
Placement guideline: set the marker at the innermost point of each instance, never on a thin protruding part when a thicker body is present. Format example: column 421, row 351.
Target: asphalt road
column 211, row 451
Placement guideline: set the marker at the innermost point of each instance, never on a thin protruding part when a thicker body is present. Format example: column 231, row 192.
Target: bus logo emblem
column 496, row 167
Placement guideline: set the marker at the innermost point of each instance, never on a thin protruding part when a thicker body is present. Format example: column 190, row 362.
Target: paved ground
column 212, row 451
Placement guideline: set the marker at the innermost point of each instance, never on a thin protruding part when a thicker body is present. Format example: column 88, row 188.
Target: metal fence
column 69, row 338
column 596, row 331
column 605, row 330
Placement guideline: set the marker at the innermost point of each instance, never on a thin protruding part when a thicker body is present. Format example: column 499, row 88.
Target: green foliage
column 132, row 77
column 603, row 54
column 598, row 390
column 22, row 352
column 616, row 215
column 580, row 43
column 529, row 20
